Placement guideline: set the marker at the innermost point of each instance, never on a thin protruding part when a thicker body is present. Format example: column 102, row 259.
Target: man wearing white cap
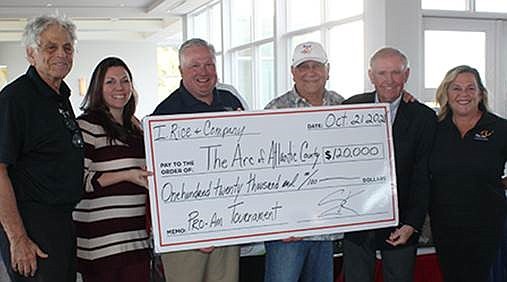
column 309, row 258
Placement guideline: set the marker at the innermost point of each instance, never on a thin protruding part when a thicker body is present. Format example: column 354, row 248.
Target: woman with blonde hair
column 467, row 204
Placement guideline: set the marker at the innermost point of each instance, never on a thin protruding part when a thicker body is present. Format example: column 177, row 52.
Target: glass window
column 216, row 27
column 167, row 69
column 341, row 9
column 496, row 6
column 457, row 5
column 3, row 76
column 346, row 74
column 444, row 50
column 241, row 18
column 200, row 25
column 242, row 63
column 295, row 40
column 266, row 75
column 301, row 14
column 264, row 17
column 218, row 67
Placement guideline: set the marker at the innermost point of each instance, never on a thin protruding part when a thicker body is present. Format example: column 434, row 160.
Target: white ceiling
column 153, row 20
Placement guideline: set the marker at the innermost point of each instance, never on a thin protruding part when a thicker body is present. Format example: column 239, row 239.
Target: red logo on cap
column 306, row 49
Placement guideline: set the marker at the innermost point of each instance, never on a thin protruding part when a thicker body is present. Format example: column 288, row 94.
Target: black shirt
column 466, row 173
column 182, row 102
column 44, row 165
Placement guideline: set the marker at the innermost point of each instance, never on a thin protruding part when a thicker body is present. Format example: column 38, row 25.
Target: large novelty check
column 237, row 177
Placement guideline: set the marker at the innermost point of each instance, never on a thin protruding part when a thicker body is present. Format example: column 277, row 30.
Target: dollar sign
column 328, row 154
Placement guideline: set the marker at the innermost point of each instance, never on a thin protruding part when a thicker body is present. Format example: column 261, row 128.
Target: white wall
column 396, row 23
column 141, row 57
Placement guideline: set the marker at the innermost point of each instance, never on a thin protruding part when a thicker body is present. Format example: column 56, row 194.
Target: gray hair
column 195, row 42
column 37, row 25
column 387, row 52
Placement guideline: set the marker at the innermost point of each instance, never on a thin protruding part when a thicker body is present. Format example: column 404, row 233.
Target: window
column 342, row 9
column 266, row 74
column 346, row 74
column 258, row 43
column 341, row 20
column 446, row 49
column 242, row 73
column 168, row 73
column 264, row 17
column 3, row 76
column 455, row 5
column 452, row 39
column 302, row 14
column 496, row 6
column 241, row 20
column 493, row 6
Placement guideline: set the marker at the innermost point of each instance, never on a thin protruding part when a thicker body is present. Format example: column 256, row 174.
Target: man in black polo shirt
column 41, row 159
column 198, row 93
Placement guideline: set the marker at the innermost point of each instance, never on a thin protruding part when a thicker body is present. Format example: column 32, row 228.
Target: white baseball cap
column 309, row 51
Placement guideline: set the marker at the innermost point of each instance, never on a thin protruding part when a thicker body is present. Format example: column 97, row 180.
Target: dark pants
column 499, row 269
column 131, row 273
column 52, row 230
column 359, row 261
column 466, row 253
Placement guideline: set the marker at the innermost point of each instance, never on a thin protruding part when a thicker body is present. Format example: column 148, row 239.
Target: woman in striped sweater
column 111, row 219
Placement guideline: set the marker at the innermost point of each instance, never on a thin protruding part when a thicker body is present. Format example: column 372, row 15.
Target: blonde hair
column 442, row 90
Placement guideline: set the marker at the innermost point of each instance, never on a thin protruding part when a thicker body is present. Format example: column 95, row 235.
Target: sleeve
column 91, row 139
column 235, row 93
column 11, row 133
column 420, row 180
column 271, row 105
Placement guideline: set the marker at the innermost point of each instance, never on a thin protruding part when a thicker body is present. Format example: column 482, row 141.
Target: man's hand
column 400, row 235
column 207, row 250
column 291, row 239
column 24, row 253
column 407, row 97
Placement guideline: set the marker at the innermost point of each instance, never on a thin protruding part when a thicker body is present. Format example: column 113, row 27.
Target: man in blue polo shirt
column 198, row 92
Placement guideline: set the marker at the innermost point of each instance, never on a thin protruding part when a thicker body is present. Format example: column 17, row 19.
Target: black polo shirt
column 182, row 102
column 44, row 165
column 466, row 173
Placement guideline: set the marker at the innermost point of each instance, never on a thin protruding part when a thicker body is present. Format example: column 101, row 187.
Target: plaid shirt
column 291, row 99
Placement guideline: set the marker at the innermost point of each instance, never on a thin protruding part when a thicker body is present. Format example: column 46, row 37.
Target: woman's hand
column 139, row 176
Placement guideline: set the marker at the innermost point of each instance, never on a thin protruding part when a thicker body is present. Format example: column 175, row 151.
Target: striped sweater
column 110, row 221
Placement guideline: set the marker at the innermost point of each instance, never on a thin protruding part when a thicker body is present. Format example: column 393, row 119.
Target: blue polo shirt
column 182, row 102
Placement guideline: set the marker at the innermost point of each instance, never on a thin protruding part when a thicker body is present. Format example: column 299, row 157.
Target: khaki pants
column 221, row 265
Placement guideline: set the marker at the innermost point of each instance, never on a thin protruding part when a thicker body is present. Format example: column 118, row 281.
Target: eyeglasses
column 70, row 123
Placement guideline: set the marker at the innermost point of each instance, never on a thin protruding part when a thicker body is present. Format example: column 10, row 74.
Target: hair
column 195, row 42
column 386, row 52
column 93, row 102
column 37, row 25
column 442, row 90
